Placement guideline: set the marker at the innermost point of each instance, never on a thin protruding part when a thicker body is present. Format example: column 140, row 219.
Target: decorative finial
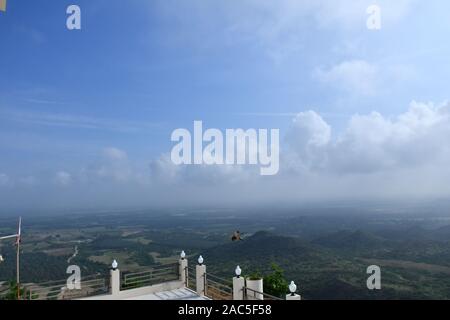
column 238, row 271
column 292, row 288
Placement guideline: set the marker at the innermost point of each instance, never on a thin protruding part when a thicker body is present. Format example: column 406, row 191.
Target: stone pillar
column 200, row 274
column 255, row 285
column 238, row 288
column 183, row 271
column 115, row 282
column 293, row 297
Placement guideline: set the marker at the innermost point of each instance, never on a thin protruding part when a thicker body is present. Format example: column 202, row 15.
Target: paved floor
column 177, row 294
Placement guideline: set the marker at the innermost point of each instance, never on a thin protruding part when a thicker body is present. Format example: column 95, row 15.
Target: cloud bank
column 373, row 157
column 274, row 26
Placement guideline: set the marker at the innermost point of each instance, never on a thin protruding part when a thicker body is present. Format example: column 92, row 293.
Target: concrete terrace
column 174, row 281
column 172, row 290
column 177, row 294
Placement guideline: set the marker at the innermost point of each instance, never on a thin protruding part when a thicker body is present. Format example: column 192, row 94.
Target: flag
column 2, row 5
column 19, row 232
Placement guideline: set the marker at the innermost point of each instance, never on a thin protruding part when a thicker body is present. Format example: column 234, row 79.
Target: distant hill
column 416, row 233
column 326, row 268
column 344, row 240
column 405, row 233
column 261, row 246
column 259, row 251
column 441, row 234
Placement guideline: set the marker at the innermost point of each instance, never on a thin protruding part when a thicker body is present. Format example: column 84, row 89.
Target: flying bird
column 2, row 5
column 236, row 236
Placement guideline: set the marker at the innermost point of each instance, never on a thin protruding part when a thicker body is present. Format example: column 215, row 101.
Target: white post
column 183, row 271
column 115, row 278
column 200, row 274
column 293, row 297
column 115, row 281
column 238, row 288
column 256, row 289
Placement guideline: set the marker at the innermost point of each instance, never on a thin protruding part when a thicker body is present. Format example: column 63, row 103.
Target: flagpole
column 18, row 259
column 18, row 272
column 18, row 240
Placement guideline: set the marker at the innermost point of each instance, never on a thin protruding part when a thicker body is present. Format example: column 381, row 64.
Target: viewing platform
column 174, row 281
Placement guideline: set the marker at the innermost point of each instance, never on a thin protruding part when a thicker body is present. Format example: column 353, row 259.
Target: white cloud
column 308, row 135
column 74, row 121
column 28, row 181
column 374, row 157
column 357, row 77
column 63, row 178
column 352, row 13
column 373, row 143
column 280, row 27
column 309, row 130
column 114, row 167
column 115, row 154
column 4, row 179
column 362, row 78
column 164, row 171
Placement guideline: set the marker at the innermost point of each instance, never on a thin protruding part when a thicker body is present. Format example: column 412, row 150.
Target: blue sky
column 86, row 116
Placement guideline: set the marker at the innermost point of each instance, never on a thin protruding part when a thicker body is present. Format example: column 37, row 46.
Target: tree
column 12, row 294
column 275, row 283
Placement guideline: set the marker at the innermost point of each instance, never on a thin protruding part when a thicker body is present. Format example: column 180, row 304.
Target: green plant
column 13, row 289
column 256, row 275
column 275, row 283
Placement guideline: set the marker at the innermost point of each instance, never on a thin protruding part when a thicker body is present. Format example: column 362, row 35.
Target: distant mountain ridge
column 262, row 244
column 349, row 240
